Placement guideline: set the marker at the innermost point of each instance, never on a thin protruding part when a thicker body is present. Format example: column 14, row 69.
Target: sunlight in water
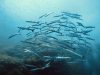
column 26, row 9
column 29, row 8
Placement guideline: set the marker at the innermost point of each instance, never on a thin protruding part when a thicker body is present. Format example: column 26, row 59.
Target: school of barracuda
column 59, row 38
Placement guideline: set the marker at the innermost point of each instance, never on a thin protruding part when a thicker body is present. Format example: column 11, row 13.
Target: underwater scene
column 49, row 37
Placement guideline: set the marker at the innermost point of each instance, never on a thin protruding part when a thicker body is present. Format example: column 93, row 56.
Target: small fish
column 74, row 53
column 87, row 42
column 41, row 68
column 49, row 14
column 68, row 30
column 28, row 34
column 50, row 23
column 85, row 32
column 57, row 57
column 48, row 32
column 81, row 39
column 65, row 18
column 28, row 42
column 27, row 28
column 42, row 16
column 45, row 15
column 13, row 35
column 36, row 25
column 22, row 28
column 52, row 37
column 76, row 16
column 81, row 44
column 32, row 22
column 89, row 27
column 60, row 57
column 29, row 38
column 77, row 31
column 56, row 31
column 73, row 35
column 63, row 25
column 58, row 16
column 27, row 50
column 30, row 66
column 66, row 13
column 71, row 27
column 90, row 38
column 37, row 34
column 72, row 15
column 33, row 28
column 80, row 24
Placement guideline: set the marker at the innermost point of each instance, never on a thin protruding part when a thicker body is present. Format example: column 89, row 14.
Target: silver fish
column 73, row 35
column 26, row 28
column 32, row 22
column 80, row 24
column 72, row 15
column 45, row 15
column 27, row 50
column 13, row 35
column 52, row 37
column 90, row 38
column 74, row 53
column 59, row 15
column 85, row 32
column 89, row 27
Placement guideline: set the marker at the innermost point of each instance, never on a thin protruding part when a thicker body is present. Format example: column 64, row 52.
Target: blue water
column 16, row 13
